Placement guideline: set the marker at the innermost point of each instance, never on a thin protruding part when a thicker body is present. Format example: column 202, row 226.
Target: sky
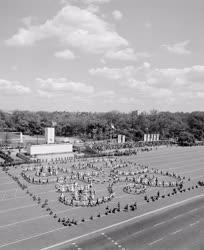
column 102, row 55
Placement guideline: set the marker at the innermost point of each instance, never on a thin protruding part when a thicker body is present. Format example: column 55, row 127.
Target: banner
column 119, row 138
column 148, row 137
column 145, row 137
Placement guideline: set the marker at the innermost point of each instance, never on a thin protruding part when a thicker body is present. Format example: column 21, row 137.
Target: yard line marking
column 36, row 218
column 155, row 241
column 160, row 223
column 193, row 224
column 9, row 190
column 26, row 206
column 6, row 183
column 23, row 196
column 13, row 198
column 34, row 236
column 177, row 231
column 180, row 215
column 194, row 210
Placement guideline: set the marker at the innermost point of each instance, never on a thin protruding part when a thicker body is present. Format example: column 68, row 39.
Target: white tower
column 50, row 135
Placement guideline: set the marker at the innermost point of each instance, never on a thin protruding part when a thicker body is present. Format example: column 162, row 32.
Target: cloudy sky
column 100, row 55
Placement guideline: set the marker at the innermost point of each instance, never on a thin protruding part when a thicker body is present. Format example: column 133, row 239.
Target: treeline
column 87, row 125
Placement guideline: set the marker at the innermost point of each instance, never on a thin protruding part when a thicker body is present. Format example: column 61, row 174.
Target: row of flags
column 151, row 137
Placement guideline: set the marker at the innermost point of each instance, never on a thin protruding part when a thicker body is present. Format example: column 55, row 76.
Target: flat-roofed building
column 51, row 151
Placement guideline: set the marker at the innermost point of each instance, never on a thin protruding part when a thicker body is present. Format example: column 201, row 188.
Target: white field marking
column 177, row 216
column 34, row 236
column 54, row 200
column 44, row 216
column 23, row 196
column 23, row 221
column 194, row 210
column 6, row 183
column 177, row 231
column 138, row 232
column 13, row 198
column 110, row 239
column 26, row 206
column 155, row 241
column 116, row 224
column 36, row 218
column 193, row 224
column 160, row 223
column 13, row 209
column 4, row 191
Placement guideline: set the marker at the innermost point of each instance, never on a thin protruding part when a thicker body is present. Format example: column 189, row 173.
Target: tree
column 186, row 139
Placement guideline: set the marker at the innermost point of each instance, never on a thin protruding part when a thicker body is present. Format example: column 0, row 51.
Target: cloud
column 104, row 93
column 126, row 54
column 44, row 94
column 86, row 2
column 148, row 25
column 113, row 73
column 172, row 83
column 178, row 48
column 75, row 27
column 127, row 72
column 117, row 15
column 95, row 1
column 65, row 54
column 62, row 85
column 189, row 78
column 13, row 87
column 27, row 20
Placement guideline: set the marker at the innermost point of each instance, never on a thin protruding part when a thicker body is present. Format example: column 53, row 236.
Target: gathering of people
column 76, row 179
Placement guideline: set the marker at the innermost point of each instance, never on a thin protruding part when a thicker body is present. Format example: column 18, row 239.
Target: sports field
column 25, row 224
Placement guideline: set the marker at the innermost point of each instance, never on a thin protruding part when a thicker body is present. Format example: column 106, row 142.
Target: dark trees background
column 87, row 125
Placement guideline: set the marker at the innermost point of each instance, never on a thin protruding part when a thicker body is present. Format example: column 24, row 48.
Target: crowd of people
column 103, row 146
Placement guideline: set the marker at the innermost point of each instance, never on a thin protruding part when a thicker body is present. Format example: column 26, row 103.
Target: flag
column 54, row 124
column 112, row 126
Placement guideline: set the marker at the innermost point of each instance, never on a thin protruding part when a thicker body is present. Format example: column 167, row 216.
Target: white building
column 51, row 151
